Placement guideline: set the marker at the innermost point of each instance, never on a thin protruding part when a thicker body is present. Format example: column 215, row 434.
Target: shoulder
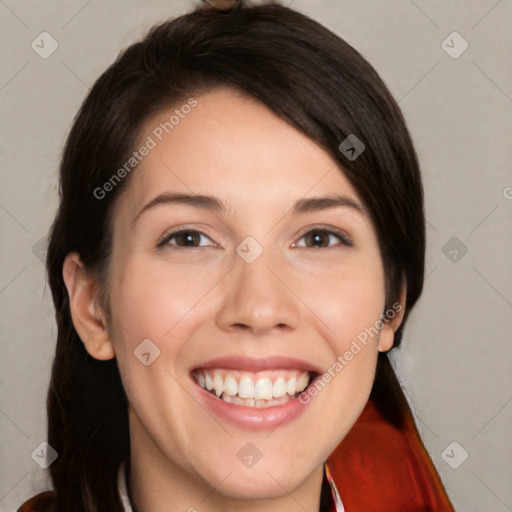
column 41, row 502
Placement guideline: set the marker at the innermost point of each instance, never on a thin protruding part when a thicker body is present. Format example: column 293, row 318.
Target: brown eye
column 183, row 238
column 317, row 238
column 321, row 238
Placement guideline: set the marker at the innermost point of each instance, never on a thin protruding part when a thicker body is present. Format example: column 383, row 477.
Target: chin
column 265, row 480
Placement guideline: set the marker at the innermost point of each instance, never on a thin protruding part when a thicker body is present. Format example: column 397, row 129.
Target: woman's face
column 263, row 290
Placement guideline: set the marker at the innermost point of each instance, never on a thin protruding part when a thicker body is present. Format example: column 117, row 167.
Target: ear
column 89, row 319
column 392, row 319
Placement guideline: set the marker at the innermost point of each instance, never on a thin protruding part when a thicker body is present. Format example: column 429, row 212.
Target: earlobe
column 88, row 318
column 386, row 338
column 392, row 319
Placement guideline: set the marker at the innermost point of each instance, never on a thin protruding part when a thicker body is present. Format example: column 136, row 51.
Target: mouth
column 258, row 389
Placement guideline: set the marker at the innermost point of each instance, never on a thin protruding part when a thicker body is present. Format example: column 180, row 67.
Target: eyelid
column 341, row 234
column 164, row 239
column 344, row 238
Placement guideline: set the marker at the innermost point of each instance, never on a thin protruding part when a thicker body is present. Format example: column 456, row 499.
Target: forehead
column 234, row 147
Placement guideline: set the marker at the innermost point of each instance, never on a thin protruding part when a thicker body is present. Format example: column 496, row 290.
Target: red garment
column 379, row 468
column 376, row 468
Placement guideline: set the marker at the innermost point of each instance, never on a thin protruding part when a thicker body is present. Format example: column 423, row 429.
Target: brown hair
column 304, row 73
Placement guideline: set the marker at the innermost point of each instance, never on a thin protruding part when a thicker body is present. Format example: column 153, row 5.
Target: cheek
column 348, row 301
column 152, row 310
column 155, row 301
column 155, row 310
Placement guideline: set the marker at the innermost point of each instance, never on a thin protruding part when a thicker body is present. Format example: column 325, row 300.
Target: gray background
column 456, row 357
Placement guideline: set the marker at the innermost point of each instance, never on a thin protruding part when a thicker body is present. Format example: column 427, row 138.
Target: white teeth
column 230, row 386
column 263, row 389
column 251, row 402
column 279, row 388
column 246, row 388
column 218, row 384
column 302, row 383
column 291, row 386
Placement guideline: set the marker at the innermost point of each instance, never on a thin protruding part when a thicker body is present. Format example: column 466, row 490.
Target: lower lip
column 250, row 418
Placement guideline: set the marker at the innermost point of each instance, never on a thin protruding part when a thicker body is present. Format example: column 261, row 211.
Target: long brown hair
column 309, row 77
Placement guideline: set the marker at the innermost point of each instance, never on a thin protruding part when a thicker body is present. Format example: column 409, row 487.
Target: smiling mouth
column 254, row 389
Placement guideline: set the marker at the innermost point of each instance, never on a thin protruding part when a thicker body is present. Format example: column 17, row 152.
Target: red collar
column 381, row 468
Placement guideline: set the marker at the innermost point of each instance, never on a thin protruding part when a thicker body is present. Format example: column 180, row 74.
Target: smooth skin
column 307, row 295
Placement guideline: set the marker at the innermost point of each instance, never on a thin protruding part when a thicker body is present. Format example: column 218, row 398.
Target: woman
column 239, row 242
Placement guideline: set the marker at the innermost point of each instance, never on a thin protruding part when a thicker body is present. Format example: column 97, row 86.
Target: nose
column 258, row 297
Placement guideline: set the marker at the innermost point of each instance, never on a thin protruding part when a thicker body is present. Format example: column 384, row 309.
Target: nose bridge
column 256, row 294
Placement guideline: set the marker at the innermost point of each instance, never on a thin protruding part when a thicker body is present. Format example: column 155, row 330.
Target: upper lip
column 255, row 364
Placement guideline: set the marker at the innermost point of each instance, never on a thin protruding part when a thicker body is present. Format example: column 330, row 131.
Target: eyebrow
column 213, row 204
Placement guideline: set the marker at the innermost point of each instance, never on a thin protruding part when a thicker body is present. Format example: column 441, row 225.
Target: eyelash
column 167, row 237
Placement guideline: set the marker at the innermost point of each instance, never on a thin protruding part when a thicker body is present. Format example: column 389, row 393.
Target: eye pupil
column 188, row 237
column 317, row 237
